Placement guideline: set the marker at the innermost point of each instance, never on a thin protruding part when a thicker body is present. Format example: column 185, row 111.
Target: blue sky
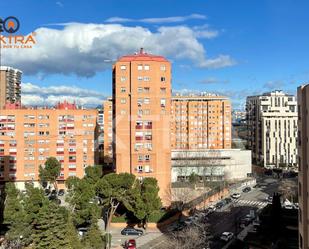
column 235, row 48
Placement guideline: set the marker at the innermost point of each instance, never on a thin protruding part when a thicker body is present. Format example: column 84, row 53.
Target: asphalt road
column 227, row 218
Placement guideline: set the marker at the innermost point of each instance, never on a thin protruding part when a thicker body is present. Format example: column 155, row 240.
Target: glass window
column 146, row 67
column 123, row 67
column 139, row 67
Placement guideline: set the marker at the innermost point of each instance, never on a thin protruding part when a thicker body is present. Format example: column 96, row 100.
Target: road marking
column 240, row 202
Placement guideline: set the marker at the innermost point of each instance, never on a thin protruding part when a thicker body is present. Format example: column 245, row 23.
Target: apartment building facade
column 272, row 129
column 201, row 122
column 29, row 136
column 108, row 131
column 303, row 158
column 10, row 86
column 141, row 118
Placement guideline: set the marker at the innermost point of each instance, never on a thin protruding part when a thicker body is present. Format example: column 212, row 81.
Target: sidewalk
column 149, row 236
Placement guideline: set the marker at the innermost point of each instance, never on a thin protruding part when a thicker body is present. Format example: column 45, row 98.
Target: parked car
column 54, row 199
column 235, row 195
column 47, row 191
column 131, row 231
column 81, row 231
column 211, row 209
column 130, row 244
column 246, row 189
column 288, row 206
column 54, row 192
column 219, row 205
column 226, row 236
column 269, row 199
column 61, row 192
column 228, row 200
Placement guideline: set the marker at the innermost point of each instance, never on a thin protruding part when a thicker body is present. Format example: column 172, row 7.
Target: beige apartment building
column 303, row 161
column 197, row 122
column 141, row 118
column 29, row 136
column 201, row 122
column 272, row 129
column 10, row 85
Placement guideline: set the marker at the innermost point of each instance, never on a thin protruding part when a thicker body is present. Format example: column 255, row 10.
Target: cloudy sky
column 235, row 48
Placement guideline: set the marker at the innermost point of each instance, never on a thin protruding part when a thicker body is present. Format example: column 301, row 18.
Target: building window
column 122, row 78
column 146, row 67
column 139, row 89
column 146, row 89
column 162, row 79
column 123, row 112
column 147, row 158
column 162, row 68
column 123, row 89
column 163, row 102
column 146, row 100
column 123, row 67
column 123, row 101
column 140, row 168
column 139, row 78
column 146, row 78
column 139, row 67
column 163, row 90
column 140, row 158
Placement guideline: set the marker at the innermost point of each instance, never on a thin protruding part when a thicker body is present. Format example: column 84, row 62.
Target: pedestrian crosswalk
column 259, row 204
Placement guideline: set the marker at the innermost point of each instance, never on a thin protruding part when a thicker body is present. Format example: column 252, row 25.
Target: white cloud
column 204, row 31
column 213, row 80
column 60, row 4
column 84, row 49
column 172, row 19
column 274, row 85
column 35, row 95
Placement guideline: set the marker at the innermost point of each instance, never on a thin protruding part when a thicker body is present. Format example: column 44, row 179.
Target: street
column 226, row 219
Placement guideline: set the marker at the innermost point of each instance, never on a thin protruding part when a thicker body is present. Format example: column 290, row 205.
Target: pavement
column 118, row 239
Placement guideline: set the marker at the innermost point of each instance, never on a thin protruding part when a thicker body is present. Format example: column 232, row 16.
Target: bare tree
column 195, row 236
column 288, row 188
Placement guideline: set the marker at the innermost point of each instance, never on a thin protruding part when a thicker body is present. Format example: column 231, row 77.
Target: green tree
column 15, row 215
column 193, row 178
column 72, row 240
column 115, row 189
column 150, row 197
column 50, row 172
column 93, row 173
column 81, row 199
column 93, row 239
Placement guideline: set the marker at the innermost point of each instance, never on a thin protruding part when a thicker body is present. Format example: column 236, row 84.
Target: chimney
column 141, row 51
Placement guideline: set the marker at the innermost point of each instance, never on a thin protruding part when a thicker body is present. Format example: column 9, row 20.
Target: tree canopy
column 50, row 172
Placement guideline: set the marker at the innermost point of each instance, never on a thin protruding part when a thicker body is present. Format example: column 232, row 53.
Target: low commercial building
column 211, row 165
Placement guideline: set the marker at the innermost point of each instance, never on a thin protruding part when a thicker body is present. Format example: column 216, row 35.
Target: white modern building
column 272, row 129
column 212, row 165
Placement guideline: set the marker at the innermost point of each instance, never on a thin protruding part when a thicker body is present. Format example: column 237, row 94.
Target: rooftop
column 142, row 56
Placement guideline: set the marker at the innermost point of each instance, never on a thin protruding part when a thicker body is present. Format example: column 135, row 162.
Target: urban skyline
column 212, row 60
